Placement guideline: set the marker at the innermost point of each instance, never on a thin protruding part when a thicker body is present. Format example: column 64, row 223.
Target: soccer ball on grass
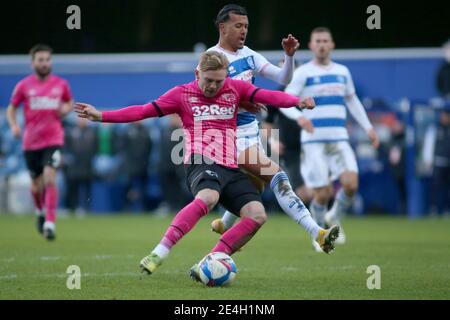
column 217, row 269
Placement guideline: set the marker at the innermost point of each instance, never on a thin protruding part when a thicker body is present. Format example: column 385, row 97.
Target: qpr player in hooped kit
column 208, row 109
column 326, row 152
column 245, row 64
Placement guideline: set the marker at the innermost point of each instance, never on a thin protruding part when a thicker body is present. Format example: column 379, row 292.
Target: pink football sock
column 37, row 198
column 183, row 222
column 51, row 202
column 237, row 236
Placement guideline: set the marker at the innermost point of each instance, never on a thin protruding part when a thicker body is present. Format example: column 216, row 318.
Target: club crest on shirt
column 231, row 70
column 227, row 97
column 251, row 62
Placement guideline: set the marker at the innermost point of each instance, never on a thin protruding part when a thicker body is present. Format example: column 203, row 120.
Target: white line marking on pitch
column 54, row 258
column 289, row 269
column 88, row 274
column 103, row 256
column 49, row 258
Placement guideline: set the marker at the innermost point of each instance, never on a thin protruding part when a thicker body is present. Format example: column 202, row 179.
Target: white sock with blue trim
column 293, row 205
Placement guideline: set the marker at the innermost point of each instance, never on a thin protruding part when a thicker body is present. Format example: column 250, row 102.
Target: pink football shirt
column 41, row 99
column 209, row 123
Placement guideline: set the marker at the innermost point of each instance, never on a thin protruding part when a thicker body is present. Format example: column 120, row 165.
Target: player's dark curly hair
column 224, row 13
column 38, row 48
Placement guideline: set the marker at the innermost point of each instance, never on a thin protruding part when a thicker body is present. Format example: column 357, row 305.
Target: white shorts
column 246, row 136
column 322, row 163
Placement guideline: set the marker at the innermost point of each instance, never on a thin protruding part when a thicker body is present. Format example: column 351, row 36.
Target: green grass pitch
column 279, row 263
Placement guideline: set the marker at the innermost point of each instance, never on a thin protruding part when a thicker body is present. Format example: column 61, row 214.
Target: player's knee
column 350, row 188
column 49, row 181
column 350, row 185
column 322, row 195
column 209, row 197
column 255, row 210
column 259, row 216
column 49, row 176
column 35, row 187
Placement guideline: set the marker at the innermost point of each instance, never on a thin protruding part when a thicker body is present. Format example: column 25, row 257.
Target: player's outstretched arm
column 127, row 114
column 280, row 99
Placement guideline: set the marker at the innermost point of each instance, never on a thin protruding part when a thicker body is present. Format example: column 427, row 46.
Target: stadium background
column 130, row 52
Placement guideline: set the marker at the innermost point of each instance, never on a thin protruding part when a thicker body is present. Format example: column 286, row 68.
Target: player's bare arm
column 12, row 121
column 88, row 111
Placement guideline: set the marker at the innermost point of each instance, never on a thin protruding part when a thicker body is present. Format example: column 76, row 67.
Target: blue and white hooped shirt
column 244, row 65
column 328, row 85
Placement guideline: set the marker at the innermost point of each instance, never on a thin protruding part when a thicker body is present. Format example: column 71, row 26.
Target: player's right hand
column 305, row 124
column 307, row 103
column 16, row 131
column 87, row 111
column 374, row 138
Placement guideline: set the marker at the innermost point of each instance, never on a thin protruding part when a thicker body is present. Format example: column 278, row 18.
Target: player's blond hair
column 212, row 60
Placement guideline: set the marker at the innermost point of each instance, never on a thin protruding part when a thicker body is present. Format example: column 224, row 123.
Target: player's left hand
column 290, row 45
column 253, row 107
column 373, row 138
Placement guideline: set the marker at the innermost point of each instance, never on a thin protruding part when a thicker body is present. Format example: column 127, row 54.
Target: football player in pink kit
column 46, row 99
column 208, row 109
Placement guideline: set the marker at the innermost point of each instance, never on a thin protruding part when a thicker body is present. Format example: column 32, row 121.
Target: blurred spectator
column 443, row 76
column 106, row 161
column 437, row 156
column 107, row 138
column 136, row 146
column 396, row 157
column 172, row 175
column 1, row 151
column 80, row 149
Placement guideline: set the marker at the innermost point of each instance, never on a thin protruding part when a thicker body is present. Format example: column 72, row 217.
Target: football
column 217, row 269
